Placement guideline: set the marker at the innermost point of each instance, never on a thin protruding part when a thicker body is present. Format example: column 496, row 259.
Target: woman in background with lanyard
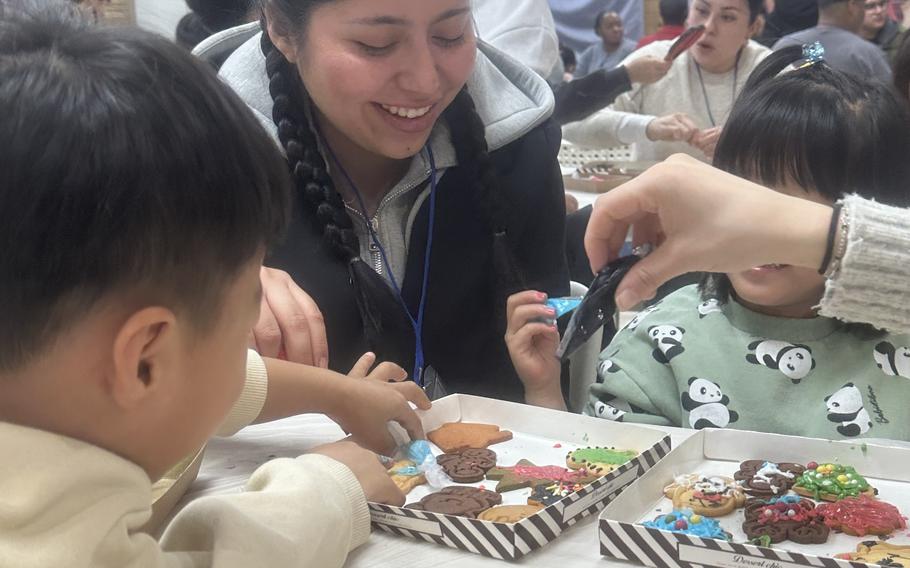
column 684, row 111
column 427, row 182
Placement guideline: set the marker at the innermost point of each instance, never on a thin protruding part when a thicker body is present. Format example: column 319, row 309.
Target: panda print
column 606, row 367
column 613, row 410
column 709, row 307
column 667, row 341
column 640, row 316
column 893, row 361
column 793, row 360
column 707, row 405
column 847, row 410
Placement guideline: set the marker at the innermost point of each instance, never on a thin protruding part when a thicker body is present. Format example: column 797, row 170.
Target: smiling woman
column 427, row 182
column 684, row 111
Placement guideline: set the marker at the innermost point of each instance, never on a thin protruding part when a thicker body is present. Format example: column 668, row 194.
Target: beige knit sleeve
column 873, row 282
column 252, row 398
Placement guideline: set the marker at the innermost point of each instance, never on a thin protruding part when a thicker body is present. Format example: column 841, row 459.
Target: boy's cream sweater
column 64, row 502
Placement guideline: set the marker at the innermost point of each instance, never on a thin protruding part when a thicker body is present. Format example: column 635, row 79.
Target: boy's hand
column 365, row 407
column 369, row 471
column 532, row 347
column 386, row 371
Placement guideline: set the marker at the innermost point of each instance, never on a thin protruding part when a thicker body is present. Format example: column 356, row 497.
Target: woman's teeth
column 406, row 112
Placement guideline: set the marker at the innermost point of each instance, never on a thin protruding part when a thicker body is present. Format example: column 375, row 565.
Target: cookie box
column 601, row 177
column 719, row 453
column 544, row 437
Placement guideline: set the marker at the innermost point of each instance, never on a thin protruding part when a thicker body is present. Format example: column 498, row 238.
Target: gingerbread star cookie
column 456, row 436
column 881, row 553
column 526, row 474
column 600, row 461
column 713, row 496
column 405, row 475
column 509, row 513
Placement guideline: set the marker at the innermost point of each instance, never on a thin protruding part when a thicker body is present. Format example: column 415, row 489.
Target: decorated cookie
column 509, row 513
column 686, row 522
column 453, row 437
column 831, row 482
column 712, row 496
column 761, row 478
column 599, row 461
column 546, row 495
column 789, row 517
column 859, row 516
column 468, row 465
column 526, row 474
column 406, row 475
column 460, row 501
column 881, row 553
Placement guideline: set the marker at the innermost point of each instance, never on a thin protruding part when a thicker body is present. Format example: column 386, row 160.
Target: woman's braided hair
column 313, row 182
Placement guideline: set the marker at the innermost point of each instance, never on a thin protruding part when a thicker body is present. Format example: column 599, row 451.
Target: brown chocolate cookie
column 761, row 478
column 467, row 466
column 787, row 518
column 460, row 501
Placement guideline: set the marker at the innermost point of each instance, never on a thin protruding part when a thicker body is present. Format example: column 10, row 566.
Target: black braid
column 307, row 165
column 470, row 141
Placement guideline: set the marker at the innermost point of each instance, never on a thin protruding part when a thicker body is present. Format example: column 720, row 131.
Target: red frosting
column 545, row 472
column 862, row 514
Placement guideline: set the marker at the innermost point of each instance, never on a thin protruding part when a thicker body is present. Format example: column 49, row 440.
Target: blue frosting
column 418, row 450
column 563, row 305
column 706, row 528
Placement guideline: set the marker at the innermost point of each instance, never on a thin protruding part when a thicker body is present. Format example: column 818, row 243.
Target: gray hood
column 510, row 98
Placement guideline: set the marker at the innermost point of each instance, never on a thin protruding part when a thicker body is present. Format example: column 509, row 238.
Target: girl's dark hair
column 317, row 190
column 824, row 130
column 128, row 168
column 901, row 67
column 208, row 17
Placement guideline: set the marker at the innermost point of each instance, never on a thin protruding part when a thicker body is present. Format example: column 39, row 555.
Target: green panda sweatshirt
column 697, row 364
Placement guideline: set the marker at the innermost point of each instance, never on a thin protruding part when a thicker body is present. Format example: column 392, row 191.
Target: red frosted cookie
column 861, row 516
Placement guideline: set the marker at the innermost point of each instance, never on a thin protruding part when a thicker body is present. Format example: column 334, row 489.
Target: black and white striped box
column 544, row 437
column 718, row 452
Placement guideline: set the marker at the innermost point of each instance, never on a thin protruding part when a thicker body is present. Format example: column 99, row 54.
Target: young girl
column 684, row 111
column 427, row 186
column 749, row 351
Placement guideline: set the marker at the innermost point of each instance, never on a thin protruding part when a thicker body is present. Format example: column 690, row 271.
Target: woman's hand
column 701, row 219
column 676, row 127
column 647, row 70
column 290, row 324
column 532, row 346
column 706, row 140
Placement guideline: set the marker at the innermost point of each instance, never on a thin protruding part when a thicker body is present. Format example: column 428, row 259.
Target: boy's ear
column 280, row 37
column 144, row 356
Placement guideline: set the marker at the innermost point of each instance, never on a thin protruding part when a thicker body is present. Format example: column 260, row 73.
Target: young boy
column 135, row 218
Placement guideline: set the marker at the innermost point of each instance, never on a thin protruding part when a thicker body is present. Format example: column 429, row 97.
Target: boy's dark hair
column 674, row 12
column 901, row 66
column 127, row 168
column 823, row 129
column 208, row 17
column 568, row 56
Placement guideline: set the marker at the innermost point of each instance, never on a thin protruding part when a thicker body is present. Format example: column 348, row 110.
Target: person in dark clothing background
column 673, row 15
column 208, row 17
column 789, row 16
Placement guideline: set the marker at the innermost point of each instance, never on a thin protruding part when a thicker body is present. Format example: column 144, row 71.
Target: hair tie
column 812, row 53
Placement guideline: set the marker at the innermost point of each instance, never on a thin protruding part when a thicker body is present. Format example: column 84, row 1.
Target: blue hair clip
column 812, row 53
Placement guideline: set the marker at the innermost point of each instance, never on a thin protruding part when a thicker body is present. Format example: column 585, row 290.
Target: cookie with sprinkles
column 546, row 495
column 789, row 517
column 711, row 496
column 881, row 553
column 599, row 460
column 686, row 522
column 832, row 482
column 861, row 516
column 526, row 474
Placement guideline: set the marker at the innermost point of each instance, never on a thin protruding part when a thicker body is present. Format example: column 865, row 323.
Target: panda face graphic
column 707, row 307
column 608, row 412
column 893, row 361
column 704, row 391
column 605, row 368
column 667, row 341
column 707, row 405
column 640, row 317
column 796, row 363
column 793, row 361
column 846, row 408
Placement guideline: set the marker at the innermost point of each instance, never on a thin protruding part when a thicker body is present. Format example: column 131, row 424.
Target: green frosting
column 609, row 456
column 842, row 481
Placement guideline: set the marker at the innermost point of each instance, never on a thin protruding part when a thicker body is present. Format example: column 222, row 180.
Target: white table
column 229, row 462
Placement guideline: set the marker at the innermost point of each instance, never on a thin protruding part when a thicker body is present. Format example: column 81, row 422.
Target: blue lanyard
column 416, row 324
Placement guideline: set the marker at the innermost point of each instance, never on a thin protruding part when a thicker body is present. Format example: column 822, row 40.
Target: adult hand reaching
column 676, row 127
column 290, row 324
column 701, row 219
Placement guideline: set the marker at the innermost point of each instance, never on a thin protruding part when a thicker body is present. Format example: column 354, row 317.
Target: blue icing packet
column 418, row 450
column 706, row 527
column 563, row 305
column 410, row 471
